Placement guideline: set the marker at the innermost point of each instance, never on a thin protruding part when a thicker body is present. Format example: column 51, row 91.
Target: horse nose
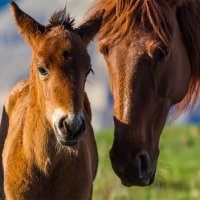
column 132, row 169
column 143, row 162
column 72, row 126
column 76, row 125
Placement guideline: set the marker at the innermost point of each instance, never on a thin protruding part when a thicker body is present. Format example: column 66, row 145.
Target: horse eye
column 88, row 72
column 42, row 71
column 67, row 54
column 103, row 48
column 161, row 53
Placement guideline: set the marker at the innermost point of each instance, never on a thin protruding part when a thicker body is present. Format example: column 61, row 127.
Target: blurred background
column 178, row 175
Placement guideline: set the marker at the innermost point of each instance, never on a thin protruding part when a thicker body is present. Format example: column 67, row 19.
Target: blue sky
column 3, row 3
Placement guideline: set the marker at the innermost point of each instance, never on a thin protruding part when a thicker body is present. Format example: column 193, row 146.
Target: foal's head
column 149, row 71
column 60, row 66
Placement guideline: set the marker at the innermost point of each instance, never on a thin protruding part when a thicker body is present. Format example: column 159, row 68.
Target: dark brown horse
column 152, row 50
column 49, row 150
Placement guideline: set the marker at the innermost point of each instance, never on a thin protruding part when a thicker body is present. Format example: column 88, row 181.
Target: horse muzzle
column 135, row 172
column 68, row 129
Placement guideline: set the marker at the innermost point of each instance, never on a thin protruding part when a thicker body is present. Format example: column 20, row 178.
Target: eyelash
column 89, row 71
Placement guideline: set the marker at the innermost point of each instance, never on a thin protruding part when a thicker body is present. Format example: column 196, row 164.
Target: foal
column 49, row 150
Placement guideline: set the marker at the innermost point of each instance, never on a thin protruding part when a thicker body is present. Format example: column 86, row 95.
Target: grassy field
column 178, row 171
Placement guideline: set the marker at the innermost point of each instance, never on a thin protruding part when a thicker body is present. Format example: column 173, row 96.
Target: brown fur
column 35, row 164
column 152, row 50
column 131, row 14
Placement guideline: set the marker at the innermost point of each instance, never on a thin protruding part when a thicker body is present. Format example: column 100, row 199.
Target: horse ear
column 28, row 27
column 90, row 27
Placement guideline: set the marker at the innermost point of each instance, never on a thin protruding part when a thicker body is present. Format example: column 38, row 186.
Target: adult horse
column 152, row 50
column 49, row 150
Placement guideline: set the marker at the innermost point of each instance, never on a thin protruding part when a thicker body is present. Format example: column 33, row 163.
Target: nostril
column 76, row 127
column 143, row 164
column 82, row 128
column 62, row 123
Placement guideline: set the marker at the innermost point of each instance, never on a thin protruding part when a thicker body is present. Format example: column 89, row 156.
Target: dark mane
column 61, row 18
column 123, row 16
column 188, row 17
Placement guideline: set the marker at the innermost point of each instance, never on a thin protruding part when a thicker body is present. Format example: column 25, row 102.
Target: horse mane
column 61, row 18
column 124, row 16
column 188, row 15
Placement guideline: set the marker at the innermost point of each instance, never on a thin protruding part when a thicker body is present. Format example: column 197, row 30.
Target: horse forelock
column 122, row 17
column 61, row 18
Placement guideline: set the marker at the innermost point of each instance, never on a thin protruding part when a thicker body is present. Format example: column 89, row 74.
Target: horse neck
column 38, row 137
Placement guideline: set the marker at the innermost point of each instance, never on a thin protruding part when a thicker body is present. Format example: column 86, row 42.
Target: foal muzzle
column 68, row 129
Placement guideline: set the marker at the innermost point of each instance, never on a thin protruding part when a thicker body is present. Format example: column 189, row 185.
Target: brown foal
column 48, row 145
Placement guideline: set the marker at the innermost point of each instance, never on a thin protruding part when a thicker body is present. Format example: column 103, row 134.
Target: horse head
column 150, row 59
column 59, row 68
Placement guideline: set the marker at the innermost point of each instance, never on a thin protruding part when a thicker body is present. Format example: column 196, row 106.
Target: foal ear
column 28, row 27
column 90, row 27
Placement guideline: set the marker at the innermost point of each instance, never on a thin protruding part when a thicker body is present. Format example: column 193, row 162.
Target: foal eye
column 42, row 71
column 88, row 72
column 161, row 53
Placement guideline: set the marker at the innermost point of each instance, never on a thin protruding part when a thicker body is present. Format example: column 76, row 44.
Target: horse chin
column 68, row 143
column 142, row 183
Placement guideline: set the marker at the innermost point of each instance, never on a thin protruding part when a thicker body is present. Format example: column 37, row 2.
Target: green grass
column 178, row 171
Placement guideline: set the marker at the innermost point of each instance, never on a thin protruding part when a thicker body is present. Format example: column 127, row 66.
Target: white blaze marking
column 126, row 108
